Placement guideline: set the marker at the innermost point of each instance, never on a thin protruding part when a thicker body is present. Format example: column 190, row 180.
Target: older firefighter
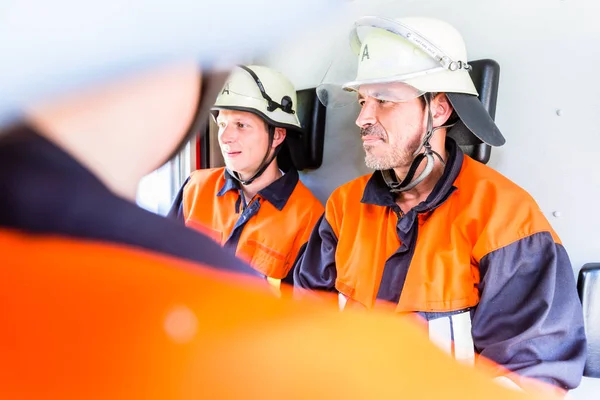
column 252, row 207
column 440, row 234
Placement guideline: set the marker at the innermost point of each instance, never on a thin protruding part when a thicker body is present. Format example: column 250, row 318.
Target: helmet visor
column 397, row 92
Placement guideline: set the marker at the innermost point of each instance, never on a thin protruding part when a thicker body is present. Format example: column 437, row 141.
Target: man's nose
column 367, row 115
column 227, row 134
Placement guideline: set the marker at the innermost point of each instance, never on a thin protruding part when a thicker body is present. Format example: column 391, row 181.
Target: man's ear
column 441, row 109
column 279, row 136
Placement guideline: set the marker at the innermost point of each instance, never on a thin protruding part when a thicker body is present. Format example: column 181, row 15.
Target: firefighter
column 252, row 207
column 440, row 234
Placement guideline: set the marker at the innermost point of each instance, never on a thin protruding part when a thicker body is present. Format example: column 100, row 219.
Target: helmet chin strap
column 264, row 163
column 389, row 176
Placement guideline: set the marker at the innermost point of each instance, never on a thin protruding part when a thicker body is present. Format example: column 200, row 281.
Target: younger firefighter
column 251, row 207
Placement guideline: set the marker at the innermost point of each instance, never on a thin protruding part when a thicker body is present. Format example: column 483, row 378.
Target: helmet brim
column 289, row 127
column 476, row 118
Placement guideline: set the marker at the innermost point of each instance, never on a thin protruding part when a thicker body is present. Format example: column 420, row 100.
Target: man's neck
column 270, row 175
column 409, row 199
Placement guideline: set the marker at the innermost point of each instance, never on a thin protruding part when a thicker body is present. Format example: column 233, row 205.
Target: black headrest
column 486, row 77
column 306, row 148
column 588, row 286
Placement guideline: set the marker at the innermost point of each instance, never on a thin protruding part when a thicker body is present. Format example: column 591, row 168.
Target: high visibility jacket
column 267, row 233
column 89, row 320
column 478, row 260
column 43, row 190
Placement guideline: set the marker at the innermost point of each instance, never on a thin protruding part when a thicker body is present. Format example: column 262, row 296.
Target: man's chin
column 233, row 167
column 241, row 170
column 374, row 164
column 382, row 165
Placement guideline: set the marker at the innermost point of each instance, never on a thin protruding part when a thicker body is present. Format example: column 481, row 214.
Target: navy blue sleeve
column 315, row 268
column 176, row 211
column 529, row 318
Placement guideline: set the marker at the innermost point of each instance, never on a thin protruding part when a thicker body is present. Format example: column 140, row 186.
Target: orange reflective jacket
column 89, row 320
column 478, row 251
column 268, row 232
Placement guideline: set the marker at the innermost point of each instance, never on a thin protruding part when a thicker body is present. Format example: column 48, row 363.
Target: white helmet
column 386, row 56
column 261, row 91
column 425, row 55
column 266, row 93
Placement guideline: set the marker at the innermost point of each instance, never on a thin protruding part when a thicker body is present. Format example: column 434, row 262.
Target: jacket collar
column 277, row 193
column 377, row 193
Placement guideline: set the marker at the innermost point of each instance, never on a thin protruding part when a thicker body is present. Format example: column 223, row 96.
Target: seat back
column 588, row 286
column 305, row 151
column 486, row 77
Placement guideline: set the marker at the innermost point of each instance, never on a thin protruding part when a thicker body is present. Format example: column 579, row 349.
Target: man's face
column 244, row 140
column 391, row 130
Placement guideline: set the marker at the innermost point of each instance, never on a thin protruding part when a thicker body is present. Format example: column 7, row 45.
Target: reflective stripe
column 452, row 334
column 275, row 285
column 342, row 300
column 464, row 349
column 440, row 333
